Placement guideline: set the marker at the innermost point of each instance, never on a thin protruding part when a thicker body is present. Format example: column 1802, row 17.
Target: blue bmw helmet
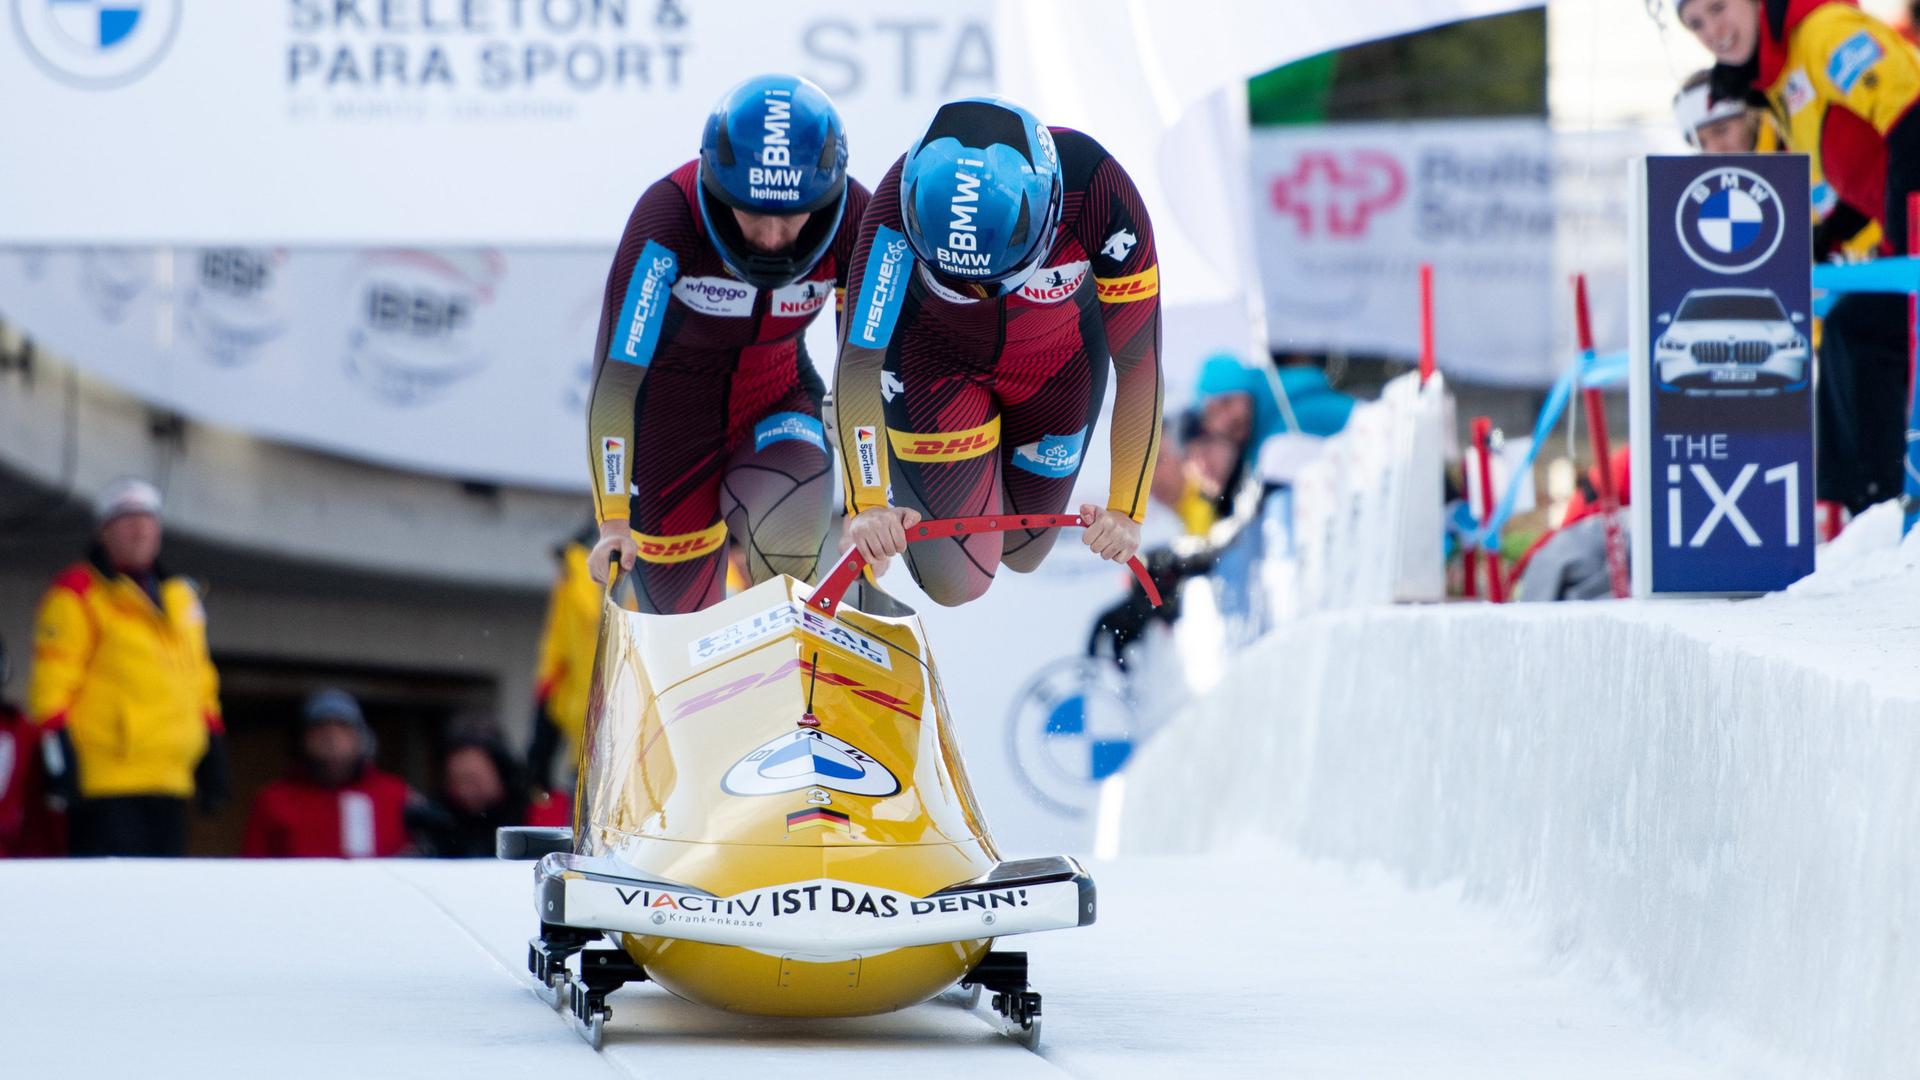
column 980, row 194
column 774, row 145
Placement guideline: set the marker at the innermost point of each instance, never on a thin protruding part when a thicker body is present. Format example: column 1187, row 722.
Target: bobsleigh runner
column 773, row 818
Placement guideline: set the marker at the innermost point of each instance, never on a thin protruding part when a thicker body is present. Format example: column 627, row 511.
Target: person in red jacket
column 336, row 804
column 26, row 824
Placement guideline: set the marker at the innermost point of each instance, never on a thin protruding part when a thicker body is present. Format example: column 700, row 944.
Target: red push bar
column 1602, row 453
column 1426, row 323
column 826, row 598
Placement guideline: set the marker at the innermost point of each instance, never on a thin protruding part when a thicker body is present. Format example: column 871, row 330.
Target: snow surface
column 1204, row 967
column 1710, row 804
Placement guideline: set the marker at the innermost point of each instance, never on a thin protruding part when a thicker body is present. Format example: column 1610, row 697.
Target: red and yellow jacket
column 1842, row 81
column 129, row 678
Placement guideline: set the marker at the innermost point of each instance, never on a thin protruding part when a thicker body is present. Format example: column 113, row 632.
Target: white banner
column 470, row 363
column 1503, row 209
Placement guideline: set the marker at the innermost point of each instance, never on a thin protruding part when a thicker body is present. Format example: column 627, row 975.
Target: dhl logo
column 1126, row 290
column 946, row 445
column 675, row 549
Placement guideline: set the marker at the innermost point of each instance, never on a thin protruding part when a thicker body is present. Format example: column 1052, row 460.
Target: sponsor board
column 1722, row 417
column 823, row 915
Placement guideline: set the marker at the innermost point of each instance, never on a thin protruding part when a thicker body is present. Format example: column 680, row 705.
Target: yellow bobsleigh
column 773, row 818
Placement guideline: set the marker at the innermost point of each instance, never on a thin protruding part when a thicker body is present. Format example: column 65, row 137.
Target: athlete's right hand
column 614, row 536
column 881, row 533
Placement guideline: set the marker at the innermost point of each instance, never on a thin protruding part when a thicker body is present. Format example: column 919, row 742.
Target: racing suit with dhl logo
column 987, row 406
column 704, row 420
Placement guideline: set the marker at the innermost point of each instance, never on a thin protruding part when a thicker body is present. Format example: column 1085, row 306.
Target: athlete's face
column 1730, row 135
column 1730, row 29
column 770, row 234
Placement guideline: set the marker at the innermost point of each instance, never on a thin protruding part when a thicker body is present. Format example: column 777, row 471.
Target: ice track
column 1263, row 966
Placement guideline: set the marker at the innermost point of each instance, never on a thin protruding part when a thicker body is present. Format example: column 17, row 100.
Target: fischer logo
column 1055, row 283
column 866, row 446
column 800, row 299
column 962, row 254
column 613, row 465
column 716, row 296
column 886, row 281
column 1338, row 194
column 643, row 309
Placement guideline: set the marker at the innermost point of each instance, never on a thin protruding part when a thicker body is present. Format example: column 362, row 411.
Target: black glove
column 62, row 769
column 212, row 779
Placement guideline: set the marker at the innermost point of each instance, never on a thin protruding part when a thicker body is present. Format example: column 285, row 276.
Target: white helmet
column 1694, row 108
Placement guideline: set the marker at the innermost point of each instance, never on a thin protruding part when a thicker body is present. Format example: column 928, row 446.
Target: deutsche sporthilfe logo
column 1729, row 220
column 97, row 44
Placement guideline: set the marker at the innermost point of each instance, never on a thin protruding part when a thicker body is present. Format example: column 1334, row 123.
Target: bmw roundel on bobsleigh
column 772, row 818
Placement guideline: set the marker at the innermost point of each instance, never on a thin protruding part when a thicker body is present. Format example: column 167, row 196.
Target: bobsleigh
column 773, row 818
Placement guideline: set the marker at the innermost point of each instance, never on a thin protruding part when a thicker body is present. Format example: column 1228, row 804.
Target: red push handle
column 826, row 598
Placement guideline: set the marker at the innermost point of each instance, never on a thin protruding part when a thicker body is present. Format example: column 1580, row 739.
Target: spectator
column 565, row 675
column 335, row 804
column 123, row 689
column 481, row 789
column 1726, row 126
column 25, row 825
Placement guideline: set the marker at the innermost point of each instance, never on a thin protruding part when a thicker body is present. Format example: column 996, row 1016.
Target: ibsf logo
column 1729, row 221
column 413, row 333
column 1338, row 195
column 96, row 44
column 233, row 306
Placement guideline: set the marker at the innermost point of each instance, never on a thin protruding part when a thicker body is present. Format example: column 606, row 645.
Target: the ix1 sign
column 1722, row 377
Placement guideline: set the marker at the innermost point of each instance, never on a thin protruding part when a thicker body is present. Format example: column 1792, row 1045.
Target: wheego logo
column 1338, row 195
column 613, row 465
column 716, row 296
column 96, row 44
column 962, row 254
column 1729, row 221
column 776, row 153
column 946, row 446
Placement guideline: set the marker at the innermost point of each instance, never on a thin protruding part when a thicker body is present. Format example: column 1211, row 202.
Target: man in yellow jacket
column 124, row 689
column 565, row 674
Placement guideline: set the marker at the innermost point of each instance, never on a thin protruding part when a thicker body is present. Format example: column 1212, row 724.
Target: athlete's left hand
column 1110, row 533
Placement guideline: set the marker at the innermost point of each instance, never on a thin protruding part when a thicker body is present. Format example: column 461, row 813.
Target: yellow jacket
column 130, row 680
column 1841, row 79
column 1859, row 247
column 565, row 673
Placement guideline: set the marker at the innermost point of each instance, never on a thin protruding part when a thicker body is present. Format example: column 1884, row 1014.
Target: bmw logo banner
column 1722, row 377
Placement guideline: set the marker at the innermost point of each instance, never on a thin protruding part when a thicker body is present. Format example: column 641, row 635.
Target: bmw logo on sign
column 1729, row 221
column 96, row 44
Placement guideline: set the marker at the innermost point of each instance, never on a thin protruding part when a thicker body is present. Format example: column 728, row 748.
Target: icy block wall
column 1719, row 801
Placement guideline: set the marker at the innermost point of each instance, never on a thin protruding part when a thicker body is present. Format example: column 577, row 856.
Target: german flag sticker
column 819, row 817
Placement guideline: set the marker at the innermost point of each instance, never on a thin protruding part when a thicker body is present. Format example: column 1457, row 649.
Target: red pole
column 1483, row 453
column 1426, row 322
column 1602, row 452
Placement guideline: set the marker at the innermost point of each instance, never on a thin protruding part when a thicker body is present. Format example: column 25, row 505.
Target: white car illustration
column 1731, row 341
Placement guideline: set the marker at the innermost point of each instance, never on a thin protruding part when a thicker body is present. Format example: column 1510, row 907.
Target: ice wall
column 1719, row 801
